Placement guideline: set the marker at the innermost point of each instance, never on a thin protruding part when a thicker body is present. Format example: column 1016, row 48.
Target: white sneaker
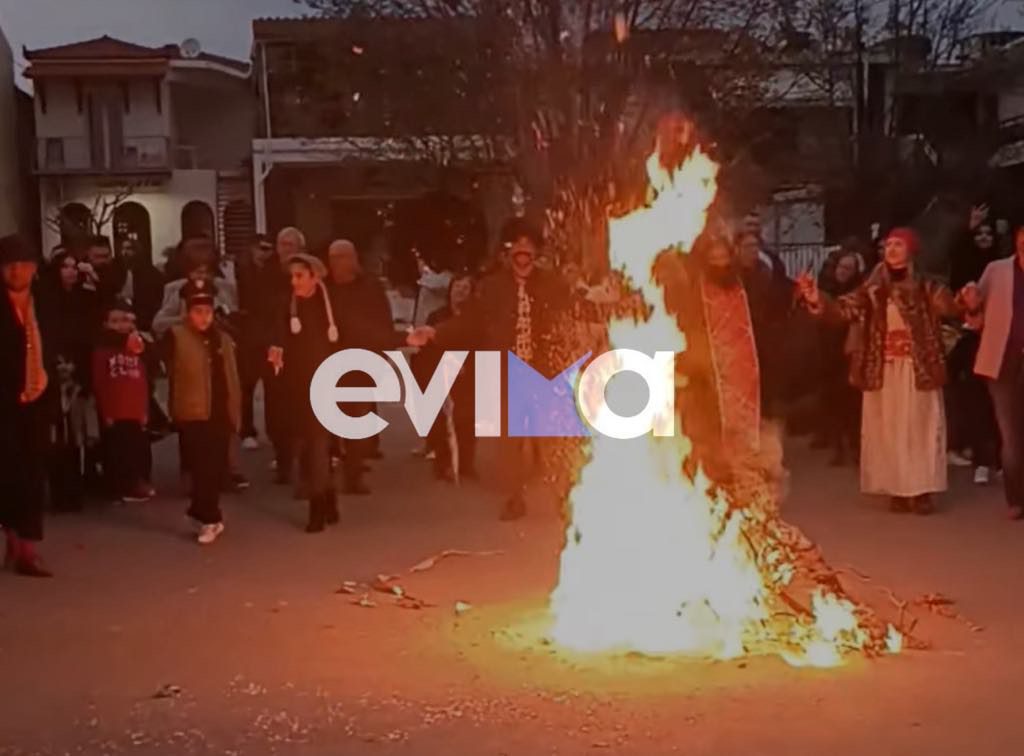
column 209, row 533
column 982, row 476
column 958, row 460
column 250, row 443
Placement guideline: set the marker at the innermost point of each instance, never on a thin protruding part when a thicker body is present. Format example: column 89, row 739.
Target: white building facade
column 142, row 144
column 10, row 181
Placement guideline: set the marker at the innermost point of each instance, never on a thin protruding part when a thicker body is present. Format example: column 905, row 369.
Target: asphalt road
column 148, row 643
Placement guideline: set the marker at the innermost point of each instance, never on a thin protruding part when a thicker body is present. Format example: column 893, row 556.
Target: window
column 132, row 227
column 54, row 152
column 75, row 223
column 197, row 220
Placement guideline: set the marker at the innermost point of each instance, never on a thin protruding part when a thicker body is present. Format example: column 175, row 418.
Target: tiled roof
column 275, row 29
column 101, row 47
column 109, row 48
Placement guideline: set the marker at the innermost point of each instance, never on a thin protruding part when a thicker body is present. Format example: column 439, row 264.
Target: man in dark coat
column 27, row 362
column 518, row 309
column 364, row 321
column 261, row 285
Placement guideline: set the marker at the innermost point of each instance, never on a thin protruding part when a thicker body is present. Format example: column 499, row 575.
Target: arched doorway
column 197, row 220
column 132, row 225
column 75, row 221
column 239, row 225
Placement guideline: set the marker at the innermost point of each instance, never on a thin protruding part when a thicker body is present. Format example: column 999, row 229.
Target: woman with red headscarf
column 899, row 364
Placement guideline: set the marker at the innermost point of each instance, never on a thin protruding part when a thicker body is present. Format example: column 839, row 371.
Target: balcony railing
column 78, row 154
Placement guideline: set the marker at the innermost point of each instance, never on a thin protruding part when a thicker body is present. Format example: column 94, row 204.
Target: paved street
column 147, row 643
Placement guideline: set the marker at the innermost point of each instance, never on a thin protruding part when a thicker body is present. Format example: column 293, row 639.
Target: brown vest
column 191, row 378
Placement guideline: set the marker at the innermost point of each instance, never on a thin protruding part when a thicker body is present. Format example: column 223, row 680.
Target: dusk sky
column 221, row 26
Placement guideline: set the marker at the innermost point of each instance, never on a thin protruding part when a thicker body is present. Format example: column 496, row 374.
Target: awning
column 68, row 69
column 1008, row 155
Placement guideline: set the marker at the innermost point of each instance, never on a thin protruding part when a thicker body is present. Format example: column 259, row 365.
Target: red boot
column 28, row 563
column 13, row 549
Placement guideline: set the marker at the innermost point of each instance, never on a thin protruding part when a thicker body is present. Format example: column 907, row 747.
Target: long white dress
column 903, row 432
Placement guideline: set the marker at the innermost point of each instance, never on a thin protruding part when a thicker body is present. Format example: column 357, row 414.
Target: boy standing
column 205, row 402
column 121, row 387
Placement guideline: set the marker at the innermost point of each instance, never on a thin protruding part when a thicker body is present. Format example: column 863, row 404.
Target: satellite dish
column 190, row 48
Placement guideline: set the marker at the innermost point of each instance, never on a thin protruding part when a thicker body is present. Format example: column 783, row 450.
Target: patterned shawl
column 922, row 303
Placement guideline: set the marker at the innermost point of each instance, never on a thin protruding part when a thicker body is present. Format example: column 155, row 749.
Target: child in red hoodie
column 121, row 388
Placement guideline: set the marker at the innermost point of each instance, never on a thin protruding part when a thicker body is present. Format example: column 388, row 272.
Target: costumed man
column 27, row 406
column 721, row 308
column 900, row 366
column 516, row 309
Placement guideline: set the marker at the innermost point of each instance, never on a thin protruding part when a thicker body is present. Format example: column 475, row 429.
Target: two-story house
column 10, row 182
column 146, row 144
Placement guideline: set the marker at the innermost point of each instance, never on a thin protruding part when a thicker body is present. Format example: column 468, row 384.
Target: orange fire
column 653, row 562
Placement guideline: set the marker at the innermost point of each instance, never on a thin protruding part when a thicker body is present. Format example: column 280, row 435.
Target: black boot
column 514, row 509
column 331, row 515
column 354, row 485
column 923, row 504
column 352, row 477
column 317, row 515
column 899, row 504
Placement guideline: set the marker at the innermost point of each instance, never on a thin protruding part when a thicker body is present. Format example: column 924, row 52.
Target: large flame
column 653, row 562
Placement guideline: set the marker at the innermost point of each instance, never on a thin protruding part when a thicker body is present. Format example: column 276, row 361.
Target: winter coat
column 923, row 303
column 194, row 376
column 488, row 320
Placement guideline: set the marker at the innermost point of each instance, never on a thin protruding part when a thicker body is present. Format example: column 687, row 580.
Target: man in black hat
column 26, row 364
column 518, row 309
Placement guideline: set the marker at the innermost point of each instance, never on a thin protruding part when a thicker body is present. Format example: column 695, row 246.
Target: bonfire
column 658, row 558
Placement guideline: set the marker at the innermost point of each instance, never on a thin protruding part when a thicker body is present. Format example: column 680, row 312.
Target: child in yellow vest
column 205, row 402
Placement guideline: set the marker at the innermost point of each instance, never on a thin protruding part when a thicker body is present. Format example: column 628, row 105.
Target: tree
column 94, row 221
column 588, row 78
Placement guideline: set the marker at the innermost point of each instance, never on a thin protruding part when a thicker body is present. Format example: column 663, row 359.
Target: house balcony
column 79, row 155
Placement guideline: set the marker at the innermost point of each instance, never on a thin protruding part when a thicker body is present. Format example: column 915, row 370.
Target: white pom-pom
column 332, row 334
column 296, row 325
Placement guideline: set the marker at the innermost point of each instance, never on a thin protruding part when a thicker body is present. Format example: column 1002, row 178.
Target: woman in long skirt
column 900, row 367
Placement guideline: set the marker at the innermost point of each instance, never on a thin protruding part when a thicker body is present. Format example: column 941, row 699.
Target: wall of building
column 145, row 119
column 63, row 119
column 219, row 122
column 10, row 177
column 163, row 201
column 1011, row 102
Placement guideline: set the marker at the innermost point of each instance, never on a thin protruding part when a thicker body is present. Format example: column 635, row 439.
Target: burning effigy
column 666, row 554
